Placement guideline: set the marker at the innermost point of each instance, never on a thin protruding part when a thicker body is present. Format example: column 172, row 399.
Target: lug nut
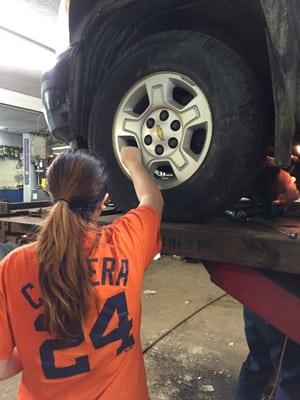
column 164, row 115
column 148, row 140
column 159, row 150
column 175, row 125
column 150, row 123
column 173, row 142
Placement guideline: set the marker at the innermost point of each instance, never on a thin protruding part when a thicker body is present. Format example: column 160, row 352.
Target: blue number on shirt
column 48, row 348
column 122, row 332
column 81, row 365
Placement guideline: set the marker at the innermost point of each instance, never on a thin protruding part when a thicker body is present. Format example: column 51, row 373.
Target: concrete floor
column 192, row 334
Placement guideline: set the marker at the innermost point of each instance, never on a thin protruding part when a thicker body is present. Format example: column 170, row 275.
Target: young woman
column 70, row 309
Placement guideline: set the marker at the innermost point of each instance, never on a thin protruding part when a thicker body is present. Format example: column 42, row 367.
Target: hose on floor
column 279, row 369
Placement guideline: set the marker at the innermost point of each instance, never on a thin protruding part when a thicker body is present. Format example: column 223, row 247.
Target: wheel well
column 238, row 23
column 235, row 22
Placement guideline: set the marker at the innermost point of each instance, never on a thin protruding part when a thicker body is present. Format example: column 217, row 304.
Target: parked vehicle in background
column 202, row 87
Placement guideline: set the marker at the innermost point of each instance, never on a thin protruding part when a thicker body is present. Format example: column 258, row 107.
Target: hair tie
column 66, row 201
column 88, row 207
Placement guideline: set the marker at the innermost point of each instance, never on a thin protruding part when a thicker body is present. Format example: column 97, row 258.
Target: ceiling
column 33, row 19
column 20, row 80
column 14, row 120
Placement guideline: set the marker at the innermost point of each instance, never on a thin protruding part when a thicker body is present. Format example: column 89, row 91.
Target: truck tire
column 217, row 109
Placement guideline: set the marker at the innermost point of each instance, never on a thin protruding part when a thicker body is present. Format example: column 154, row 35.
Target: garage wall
column 38, row 142
column 10, row 176
column 10, row 139
column 10, row 171
column 38, row 146
column 8, row 168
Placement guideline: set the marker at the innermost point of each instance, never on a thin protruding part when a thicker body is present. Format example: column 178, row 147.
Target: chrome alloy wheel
column 168, row 117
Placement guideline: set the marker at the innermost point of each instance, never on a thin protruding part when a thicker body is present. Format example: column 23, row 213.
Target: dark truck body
column 265, row 32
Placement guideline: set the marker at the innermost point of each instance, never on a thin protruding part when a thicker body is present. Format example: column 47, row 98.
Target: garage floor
column 192, row 334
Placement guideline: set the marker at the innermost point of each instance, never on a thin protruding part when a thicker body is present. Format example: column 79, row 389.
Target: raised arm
column 146, row 190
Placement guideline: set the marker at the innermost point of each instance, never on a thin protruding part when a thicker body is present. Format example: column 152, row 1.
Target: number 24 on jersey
column 81, row 364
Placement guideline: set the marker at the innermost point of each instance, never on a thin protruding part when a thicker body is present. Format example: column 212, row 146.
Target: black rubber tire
column 239, row 120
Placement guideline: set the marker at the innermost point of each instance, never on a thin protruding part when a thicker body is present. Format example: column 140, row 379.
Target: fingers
column 131, row 155
column 127, row 143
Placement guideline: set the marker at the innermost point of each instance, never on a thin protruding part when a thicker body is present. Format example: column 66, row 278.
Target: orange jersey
column 105, row 359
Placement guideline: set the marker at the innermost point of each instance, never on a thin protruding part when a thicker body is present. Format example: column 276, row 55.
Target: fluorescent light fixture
column 16, row 99
column 64, row 147
column 20, row 53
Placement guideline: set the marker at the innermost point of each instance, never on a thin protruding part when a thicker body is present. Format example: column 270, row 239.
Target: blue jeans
column 265, row 345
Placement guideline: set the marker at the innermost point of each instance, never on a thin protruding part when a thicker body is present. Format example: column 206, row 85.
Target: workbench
column 257, row 262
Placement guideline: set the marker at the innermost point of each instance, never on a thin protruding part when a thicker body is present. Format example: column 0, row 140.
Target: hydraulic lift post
column 275, row 300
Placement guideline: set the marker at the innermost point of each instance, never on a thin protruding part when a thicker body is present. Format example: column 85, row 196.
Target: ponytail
column 77, row 183
column 63, row 274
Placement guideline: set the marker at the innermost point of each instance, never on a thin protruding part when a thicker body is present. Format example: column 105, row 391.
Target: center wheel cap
column 161, row 128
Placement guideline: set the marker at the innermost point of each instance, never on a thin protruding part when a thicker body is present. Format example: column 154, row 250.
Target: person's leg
column 258, row 369
column 289, row 380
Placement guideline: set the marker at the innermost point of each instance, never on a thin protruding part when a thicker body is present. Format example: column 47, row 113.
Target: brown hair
column 76, row 183
column 268, row 186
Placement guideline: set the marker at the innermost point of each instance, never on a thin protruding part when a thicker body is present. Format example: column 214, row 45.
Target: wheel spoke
column 133, row 125
column 190, row 115
column 129, row 126
column 159, row 91
column 184, row 171
column 195, row 112
column 149, row 161
column 178, row 160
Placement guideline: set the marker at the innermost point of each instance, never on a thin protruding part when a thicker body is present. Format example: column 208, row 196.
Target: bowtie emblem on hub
column 160, row 133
